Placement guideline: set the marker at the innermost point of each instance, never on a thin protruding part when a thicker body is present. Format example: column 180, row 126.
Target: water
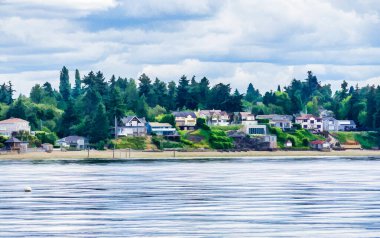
column 330, row 197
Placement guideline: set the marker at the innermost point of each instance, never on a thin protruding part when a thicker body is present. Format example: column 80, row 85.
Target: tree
column 78, row 85
column 183, row 92
column 99, row 129
column 69, row 119
column 371, row 107
column 64, row 84
column 204, row 91
column 172, row 96
column 18, row 109
column 36, row 94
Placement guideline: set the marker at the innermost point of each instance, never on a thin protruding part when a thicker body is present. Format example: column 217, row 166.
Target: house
column 13, row 125
column 16, row 145
column 74, row 142
column 131, row 126
column 267, row 142
column 47, row 147
column 346, row 125
column 215, row 117
column 320, row 145
column 255, row 129
column 288, row 144
column 162, row 129
column 310, row 122
column 242, row 118
column 281, row 121
column 185, row 120
column 330, row 124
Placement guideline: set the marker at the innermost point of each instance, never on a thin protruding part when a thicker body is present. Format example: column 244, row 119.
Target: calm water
column 199, row 198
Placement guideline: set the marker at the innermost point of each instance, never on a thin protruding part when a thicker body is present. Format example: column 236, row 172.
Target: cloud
column 235, row 42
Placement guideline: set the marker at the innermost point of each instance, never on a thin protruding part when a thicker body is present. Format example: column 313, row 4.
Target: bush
column 305, row 142
column 100, row 145
column 201, row 123
column 297, row 126
column 263, row 121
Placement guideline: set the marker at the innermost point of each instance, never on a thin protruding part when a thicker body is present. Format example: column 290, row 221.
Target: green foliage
column 227, row 128
column 166, row 118
column 201, row 123
column 367, row 140
column 46, row 137
column 135, row 143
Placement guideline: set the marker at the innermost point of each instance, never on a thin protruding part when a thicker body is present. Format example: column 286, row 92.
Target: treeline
column 90, row 106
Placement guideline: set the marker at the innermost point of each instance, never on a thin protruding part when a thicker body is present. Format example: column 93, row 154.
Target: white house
column 162, row 129
column 77, row 142
column 320, row 145
column 215, row 117
column 310, row 122
column 346, row 125
column 13, row 125
column 185, row 120
column 281, row 121
column 332, row 124
column 131, row 126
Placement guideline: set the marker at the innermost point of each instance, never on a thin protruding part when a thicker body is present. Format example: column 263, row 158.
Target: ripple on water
column 331, row 197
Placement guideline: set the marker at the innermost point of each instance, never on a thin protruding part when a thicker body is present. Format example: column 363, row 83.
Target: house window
column 304, row 120
column 312, row 121
column 318, row 126
column 318, row 120
column 304, row 126
column 255, row 131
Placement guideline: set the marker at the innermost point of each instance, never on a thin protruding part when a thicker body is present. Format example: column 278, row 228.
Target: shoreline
column 124, row 154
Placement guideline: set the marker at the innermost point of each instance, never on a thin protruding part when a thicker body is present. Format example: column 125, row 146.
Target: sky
column 266, row 43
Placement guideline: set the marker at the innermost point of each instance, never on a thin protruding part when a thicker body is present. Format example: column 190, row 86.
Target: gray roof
column 185, row 114
column 72, row 139
column 127, row 119
column 13, row 140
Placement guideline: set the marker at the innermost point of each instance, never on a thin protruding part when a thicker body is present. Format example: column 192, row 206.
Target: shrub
column 201, row 123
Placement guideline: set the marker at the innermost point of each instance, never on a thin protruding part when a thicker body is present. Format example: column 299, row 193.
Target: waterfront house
column 242, row 118
column 15, row 144
column 215, row 117
column 267, row 142
column 346, row 125
column 161, row 129
column 310, row 122
column 131, row 126
column 332, row 124
column 13, row 125
column 320, row 145
column 47, row 147
column 281, row 121
column 73, row 142
column 288, row 144
column 185, row 120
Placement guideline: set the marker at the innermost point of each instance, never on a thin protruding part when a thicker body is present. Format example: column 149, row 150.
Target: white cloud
column 267, row 43
column 83, row 5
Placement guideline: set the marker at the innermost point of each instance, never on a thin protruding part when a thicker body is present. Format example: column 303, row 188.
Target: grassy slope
column 367, row 140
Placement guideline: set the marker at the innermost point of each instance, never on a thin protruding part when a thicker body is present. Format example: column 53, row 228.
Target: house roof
column 185, row 114
column 157, row 124
column 307, row 116
column 13, row 120
column 13, row 140
column 71, row 139
column 347, row 122
column 318, row 142
column 213, row 112
column 128, row 119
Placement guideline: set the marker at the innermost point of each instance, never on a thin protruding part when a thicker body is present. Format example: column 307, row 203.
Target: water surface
column 320, row 197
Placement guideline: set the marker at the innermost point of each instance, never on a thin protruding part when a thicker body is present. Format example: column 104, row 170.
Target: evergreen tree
column 37, row 94
column 371, row 107
column 18, row 109
column 64, row 84
column 204, row 91
column 172, row 96
column 69, row 119
column 99, row 129
column 78, row 85
column 183, row 94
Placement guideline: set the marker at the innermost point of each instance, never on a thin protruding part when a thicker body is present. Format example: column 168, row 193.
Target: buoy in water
column 27, row 189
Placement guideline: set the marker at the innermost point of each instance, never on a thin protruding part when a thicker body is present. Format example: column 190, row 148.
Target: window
column 318, row 126
column 304, row 120
column 312, row 121
column 304, row 126
column 255, row 131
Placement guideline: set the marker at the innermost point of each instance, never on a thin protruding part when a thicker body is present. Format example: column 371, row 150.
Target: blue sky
column 231, row 41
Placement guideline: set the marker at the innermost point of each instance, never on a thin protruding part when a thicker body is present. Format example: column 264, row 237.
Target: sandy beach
column 124, row 154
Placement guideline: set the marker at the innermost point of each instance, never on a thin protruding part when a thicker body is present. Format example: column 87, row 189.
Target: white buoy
column 27, row 189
